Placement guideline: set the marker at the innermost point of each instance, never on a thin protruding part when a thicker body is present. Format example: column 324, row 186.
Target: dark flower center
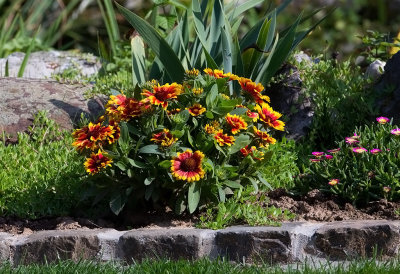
column 189, row 164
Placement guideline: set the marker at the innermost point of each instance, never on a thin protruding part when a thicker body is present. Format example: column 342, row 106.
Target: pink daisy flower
column 387, row 189
column 359, row 150
column 327, row 156
column 382, row 120
column 315, row 160
column 335, row 150
column 375, row 151
column 317, row 154
column 395, row 131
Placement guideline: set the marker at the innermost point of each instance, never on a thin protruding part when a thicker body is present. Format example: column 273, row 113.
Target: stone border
column 292, row 242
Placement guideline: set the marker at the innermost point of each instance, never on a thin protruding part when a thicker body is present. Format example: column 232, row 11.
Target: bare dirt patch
column 320, row 207
column 315, row 206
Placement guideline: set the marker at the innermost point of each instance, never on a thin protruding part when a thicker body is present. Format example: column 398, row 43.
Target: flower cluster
column 365, row 166
column 196, row 133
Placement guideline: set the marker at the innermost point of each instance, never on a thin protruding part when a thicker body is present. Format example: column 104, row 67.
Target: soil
column 315, row 206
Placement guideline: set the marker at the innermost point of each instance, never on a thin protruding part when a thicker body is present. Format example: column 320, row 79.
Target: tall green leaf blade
column 217, row 21
column 227, row 54
column 164, row 52
column 138, row 61
column 244, row 7
column 27, row 54
column 279, row 56
column 198, row 23
column 194, row 193
column 237, row 62
column 265, row 63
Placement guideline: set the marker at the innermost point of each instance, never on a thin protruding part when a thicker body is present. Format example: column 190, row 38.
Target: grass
column 369, row 266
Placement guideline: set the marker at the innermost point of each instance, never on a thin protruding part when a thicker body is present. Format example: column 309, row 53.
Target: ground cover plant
column 35, row 181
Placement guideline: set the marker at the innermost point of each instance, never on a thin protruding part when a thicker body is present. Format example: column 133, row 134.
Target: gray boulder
column 23, row 98
column 288, row 98
column 44, row 64
column 388, row 89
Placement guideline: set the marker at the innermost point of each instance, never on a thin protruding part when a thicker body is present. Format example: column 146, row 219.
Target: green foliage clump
column 367, row 166
column 41, row 175
column 244, row 208
column 341, row 98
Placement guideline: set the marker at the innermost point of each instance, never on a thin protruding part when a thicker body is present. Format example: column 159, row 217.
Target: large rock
column 288, row 98
column 23, row 98
column 358, row 239
column 51, row 246
column 171, row 243
column 44, row 64
column 388, row 89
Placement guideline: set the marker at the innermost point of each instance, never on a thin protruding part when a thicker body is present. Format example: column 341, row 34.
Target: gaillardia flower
column 253, row 152
column 382, row 120
column 164, row 138
column 96, row 162
column 209, row 129
column 89, row 137
column 269, row 116
column 187, row 166
column 235, row 122
column 216, row 73
column 333, row 182
column 161, row 94
column 395, row 131
column 360, row 150
column 192, row 73
column 196, row 110
column 253, row 90
column 120, row 107
column 223, row 139
column 263, row 138
column 252, row 115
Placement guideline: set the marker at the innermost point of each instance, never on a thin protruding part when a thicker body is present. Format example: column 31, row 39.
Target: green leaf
column 148, row 180
column 164, row 52
column 232, row 184
column 262, row 180
column 137, row 164
column 178, row 133
column 279, row 56
column 254, row 183
column 182, row 117
column 212, row 95
column 209, row 115
column 240, row 142
column 221, row 194
column 150, row 149
column 138, row 61
column 194, row 192
column 27, row 54
column 165, row 164
column 244, row 7
column 123, row 140
column 121, row 166
column 117, row 203
column 238, row 111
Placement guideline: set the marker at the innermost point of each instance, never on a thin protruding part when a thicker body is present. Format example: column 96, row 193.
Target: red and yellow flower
column 96, row 162
column 196, row 109
column 93, row 135
column 269, row 116
column 223, row 139
column 252, row 115
column 120, row 107
column 253, row 152
column 263, row 138
column 173, row 111
column 253, row 90
column 235, row 122
column 160, row 95
column 209, row 129
column 164, row 138
column 216, row 73
column 187, row 166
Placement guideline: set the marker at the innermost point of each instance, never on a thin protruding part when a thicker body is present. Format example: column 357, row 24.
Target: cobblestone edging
column 292, row 242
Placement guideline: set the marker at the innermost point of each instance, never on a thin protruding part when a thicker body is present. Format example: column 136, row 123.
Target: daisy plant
column 184, row 145
column 364, row 167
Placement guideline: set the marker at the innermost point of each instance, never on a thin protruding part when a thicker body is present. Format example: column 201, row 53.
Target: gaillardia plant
column 182, row 144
